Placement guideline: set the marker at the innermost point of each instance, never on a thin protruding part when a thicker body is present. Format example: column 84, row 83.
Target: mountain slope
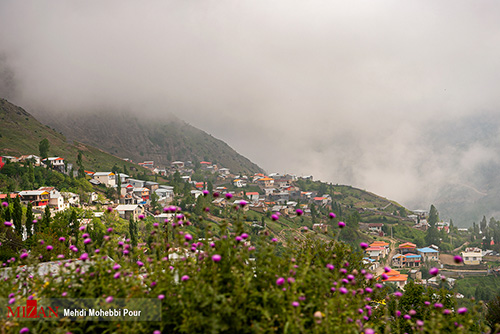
column 20, row 133
column 139, row 139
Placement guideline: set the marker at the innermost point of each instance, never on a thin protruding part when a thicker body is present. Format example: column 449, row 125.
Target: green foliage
column 29, row 221
column 43, row 148
column 493, row 314
column 17, row 216
column 433, row 216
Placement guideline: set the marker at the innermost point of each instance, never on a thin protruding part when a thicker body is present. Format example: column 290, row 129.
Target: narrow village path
column 388, row 258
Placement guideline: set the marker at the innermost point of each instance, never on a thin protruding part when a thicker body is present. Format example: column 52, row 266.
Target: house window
column 474, row 258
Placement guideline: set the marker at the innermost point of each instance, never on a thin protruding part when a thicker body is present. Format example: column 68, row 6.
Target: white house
column 472, row 256
column 106, row 178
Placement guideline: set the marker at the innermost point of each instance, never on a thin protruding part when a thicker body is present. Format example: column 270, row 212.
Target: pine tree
column 483, row 224
column 17, row 216
column 45, row 223
column 433, row 216
column 6, row 212
column 29, row 221
column 132, row 227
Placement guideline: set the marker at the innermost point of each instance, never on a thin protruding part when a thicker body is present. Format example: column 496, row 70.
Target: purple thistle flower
column 5, row 204
column 12, row 301
column 161, row 297
column 110, row 230
column 341, row 224
column 290, row 280
column 8, row 224
column 238, row 238
column 343, row 290
column 24, row 256
column 87, row 241
column 387, row 269
column 369, row 331
column 188, row 237
column 49, row 247
column 244, row 236
column 438, row 305
column 330, row 266
column 398, row 313
column 82, row 228
column 62, row 239
column 457, row 259
column 407, row 317
column 212, row 244
column 275, row 217
column 205, row 192
column 420, row 323
column 109, row 299
column 184, row 278
column 331, row 215
column 229, row 195
column 24, row 330
column 280, row 281
column 384, row 277
column 216, row 258
column 434, row 271
column 397, row 294
column 446, row 311
column 84, row 257
column 299, row 212
column 363, row 245
column 462, row 310
column 116, row 275
column 140, row 264
column 243, row 203
column 274, row 240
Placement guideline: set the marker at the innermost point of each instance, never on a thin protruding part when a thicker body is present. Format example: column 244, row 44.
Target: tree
column 46, row 219
column 43, row 148
column 493, row 313
column 154, row 201
column 17, row 216
column 29, row 221
column 432, row 236
column 483, row 224
column 433, row 216
column 132, row 226
column 79, row 163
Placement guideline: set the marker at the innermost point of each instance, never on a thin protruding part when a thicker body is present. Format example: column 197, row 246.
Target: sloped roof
column 427, row 250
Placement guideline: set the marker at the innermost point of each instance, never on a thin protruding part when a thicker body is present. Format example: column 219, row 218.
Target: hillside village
column 268, row 196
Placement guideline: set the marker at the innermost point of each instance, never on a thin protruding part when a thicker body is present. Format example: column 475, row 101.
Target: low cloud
column 351, row 92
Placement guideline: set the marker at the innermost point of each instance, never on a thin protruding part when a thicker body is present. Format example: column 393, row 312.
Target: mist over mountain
column 394, row 97
column 140, row 137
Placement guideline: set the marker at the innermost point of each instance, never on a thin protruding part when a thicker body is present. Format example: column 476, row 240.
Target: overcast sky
column 343, row 90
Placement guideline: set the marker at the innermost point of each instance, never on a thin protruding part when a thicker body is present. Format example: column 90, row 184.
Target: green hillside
column 162, row 140
column 20, row 133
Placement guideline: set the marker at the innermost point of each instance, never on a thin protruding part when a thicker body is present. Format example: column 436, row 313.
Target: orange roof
column 319, row 198
column 259, row 174
column 252, row 193
column 393, row 273
column 264, row 179
column 205, row 163
column 379, row 244
column 397, row 278
column 407, row 245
